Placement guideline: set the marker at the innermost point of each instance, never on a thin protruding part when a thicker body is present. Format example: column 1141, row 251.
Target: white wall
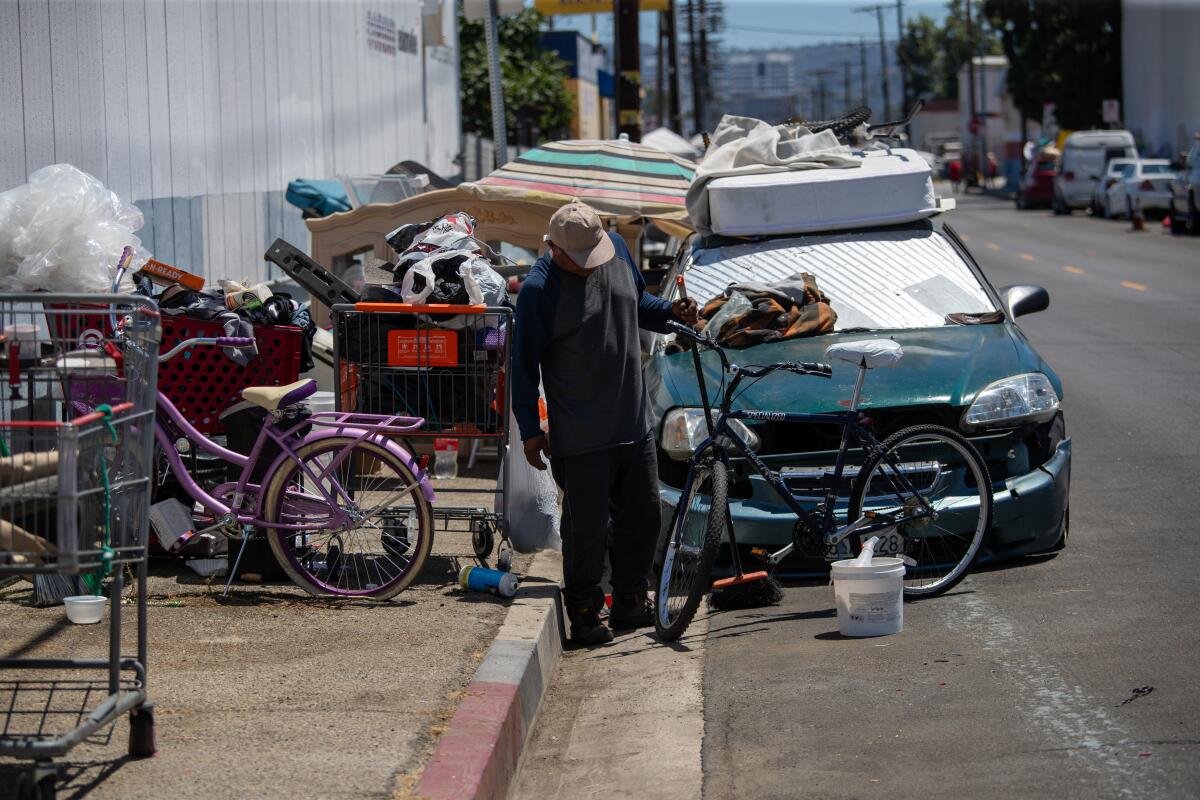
column 1160, row 62
column 201, row 111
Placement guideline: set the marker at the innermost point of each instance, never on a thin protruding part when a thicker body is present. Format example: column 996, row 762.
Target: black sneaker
column 630, row 612
column 587, row 629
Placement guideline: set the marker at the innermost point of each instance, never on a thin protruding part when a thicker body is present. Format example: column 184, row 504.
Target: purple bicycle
column 347, row 511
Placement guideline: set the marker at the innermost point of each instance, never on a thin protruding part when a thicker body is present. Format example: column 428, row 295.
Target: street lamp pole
column 499, row 126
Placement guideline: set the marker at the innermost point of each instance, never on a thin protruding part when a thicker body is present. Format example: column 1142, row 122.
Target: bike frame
column 357, row 426
column 853, row 429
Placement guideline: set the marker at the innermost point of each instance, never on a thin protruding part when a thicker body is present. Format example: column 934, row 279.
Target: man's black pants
column 618, row 483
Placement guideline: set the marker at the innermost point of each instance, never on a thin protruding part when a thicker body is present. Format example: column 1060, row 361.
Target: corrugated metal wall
column 201, row 111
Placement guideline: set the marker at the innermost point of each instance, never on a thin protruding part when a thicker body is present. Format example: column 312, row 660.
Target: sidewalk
column 271, row 693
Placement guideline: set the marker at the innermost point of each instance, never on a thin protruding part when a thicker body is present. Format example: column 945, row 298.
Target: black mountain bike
column 924, row 491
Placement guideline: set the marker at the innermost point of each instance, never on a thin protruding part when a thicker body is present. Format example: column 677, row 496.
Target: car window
column 887, row 279
column 1156, row 169
column 1128, row 169
column 1044, row 166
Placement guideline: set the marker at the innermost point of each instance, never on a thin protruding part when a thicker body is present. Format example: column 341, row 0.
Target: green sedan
column 966, row 365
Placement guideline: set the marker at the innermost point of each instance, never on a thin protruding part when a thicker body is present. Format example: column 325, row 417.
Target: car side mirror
column 1024, row 299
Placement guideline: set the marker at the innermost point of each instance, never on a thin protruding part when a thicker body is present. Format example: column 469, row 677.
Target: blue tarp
column 323, row 197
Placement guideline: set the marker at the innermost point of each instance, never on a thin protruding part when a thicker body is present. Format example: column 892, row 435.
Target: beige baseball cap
column 576, row 228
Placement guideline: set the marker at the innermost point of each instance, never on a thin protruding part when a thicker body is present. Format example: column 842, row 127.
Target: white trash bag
column 530, row 504
column 65, row 232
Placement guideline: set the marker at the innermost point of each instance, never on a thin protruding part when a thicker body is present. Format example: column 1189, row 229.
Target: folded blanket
column 785, row 310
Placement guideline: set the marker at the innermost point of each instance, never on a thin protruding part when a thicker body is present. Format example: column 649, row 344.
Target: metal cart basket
column 447, row 364
column 76, row 432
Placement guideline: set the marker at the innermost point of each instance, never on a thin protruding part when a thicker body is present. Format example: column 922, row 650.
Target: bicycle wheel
column 687, row 548
column 371, row 542
column 951, row 478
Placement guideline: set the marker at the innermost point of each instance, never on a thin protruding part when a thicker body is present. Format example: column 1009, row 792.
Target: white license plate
column 891, row 543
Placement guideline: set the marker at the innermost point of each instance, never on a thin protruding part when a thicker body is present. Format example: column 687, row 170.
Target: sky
column 781, row 23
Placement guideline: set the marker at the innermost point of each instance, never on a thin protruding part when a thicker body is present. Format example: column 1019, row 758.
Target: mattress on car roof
column 889, row 187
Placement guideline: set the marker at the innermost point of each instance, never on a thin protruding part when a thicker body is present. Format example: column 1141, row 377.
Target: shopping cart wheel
column 141, row 732
column 30, row 787
column 483, row 539
column 504, row 557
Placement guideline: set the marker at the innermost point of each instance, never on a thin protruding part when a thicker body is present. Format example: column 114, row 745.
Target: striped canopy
column 618, row 178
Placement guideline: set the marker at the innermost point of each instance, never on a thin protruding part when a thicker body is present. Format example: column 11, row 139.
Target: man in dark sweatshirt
column 576, row 330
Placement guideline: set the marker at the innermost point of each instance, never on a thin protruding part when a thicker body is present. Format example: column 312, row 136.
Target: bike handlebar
column 818, row 369
column 237, row 342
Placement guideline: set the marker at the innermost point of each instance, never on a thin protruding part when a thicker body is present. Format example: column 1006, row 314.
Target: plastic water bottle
column 445, row 458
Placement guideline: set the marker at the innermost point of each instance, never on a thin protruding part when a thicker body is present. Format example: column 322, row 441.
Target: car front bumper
column 1028, row 512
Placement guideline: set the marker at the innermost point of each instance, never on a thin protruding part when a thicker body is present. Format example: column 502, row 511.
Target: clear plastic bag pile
column 64, row 232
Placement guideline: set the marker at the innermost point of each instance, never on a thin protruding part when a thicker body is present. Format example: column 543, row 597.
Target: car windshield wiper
column 859, row 329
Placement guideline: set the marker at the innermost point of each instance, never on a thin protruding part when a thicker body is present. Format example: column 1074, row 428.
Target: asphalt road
column 1070, row 677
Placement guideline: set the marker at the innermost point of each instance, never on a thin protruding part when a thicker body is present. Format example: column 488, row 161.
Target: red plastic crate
column 202, row 381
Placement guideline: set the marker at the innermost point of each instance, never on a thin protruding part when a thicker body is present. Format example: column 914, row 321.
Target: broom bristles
column 49, row 589
column 756, row 594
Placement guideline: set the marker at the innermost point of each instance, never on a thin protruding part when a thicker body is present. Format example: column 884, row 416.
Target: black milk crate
column 446, row 364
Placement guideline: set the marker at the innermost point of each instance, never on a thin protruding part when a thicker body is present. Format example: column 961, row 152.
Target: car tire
column 1193, row 217
column 1061, row 209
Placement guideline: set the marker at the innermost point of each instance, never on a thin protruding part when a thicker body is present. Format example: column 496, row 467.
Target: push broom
column 744, row 589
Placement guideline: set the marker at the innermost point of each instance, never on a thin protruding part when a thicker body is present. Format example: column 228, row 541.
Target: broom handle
column 683, row 295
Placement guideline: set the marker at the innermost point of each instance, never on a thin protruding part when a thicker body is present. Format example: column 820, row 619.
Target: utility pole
column 971, row 84
column 660, row 96
column 499, row 122
column 900, row 57
column 883, row 59
column 694, row 68
column 627, row 57
column 821, row 110
column 705, row 78
column 672, row 59
column 847, row 101
column 862, row 68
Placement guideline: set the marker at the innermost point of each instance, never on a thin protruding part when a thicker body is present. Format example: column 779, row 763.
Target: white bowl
column 84, row 609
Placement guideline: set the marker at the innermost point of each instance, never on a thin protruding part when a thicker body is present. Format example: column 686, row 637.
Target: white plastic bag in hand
column 530, row 502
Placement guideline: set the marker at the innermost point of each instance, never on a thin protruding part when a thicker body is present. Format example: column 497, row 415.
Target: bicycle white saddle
column 867, row 353
column 273, row 397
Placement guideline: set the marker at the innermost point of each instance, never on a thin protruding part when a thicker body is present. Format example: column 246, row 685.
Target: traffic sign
column 1110, row 110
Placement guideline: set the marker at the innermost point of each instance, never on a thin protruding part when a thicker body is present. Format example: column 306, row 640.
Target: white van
column 1085, row 156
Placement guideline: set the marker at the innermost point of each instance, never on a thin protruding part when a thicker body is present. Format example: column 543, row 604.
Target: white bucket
column 870, row 599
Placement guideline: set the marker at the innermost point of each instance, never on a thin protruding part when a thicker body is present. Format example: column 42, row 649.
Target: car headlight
column 684, row 429
column 1011, row 401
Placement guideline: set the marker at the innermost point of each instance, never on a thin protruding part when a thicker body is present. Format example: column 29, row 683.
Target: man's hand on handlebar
column 686, row 310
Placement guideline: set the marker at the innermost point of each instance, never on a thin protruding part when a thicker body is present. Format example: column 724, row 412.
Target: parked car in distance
column 1112, row 175
column 1036, row 189
column 909, row 283
column 1146, row 182
column 1085, row 156
column 1184, row 210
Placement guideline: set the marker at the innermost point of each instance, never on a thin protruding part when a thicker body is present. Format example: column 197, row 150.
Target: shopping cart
column 446, row 364
column 76, row 428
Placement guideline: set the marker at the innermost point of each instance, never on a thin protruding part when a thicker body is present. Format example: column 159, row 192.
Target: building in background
column 1160, row 66
column 201, row 113
column 999, row 128
column 585, row 61
column 937, row 124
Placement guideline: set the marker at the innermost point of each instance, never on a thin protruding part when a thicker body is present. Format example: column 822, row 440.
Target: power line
column 792, row 31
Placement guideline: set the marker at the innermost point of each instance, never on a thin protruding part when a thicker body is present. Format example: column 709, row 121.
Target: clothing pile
column 441, row 261
column 747, row 314
column 238, row 309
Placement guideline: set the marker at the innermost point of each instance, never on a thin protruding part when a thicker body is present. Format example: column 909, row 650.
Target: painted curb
column 477, row 756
